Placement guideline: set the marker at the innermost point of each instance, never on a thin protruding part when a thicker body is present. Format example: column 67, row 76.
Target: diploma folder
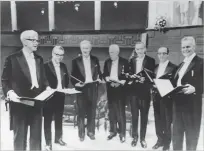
column 47, row 94
column 165, row 87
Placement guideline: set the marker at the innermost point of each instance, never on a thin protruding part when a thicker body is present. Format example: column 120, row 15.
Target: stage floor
column 71, row 137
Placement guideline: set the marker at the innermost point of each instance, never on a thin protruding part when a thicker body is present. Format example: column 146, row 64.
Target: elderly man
column 57, row 76
column 140, row 95
column 187, row 105
column 163, row 106
column 114, row 69
column 23, row 75
column 87, row 74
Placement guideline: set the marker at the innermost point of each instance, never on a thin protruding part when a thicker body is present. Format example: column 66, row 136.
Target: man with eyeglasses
column 163, row 107
column 58, row 78
column 187, row 105
column 23, row 76
column 86, row 69
column 140, row 93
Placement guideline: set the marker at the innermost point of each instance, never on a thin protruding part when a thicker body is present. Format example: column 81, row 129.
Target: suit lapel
column 144, row 62
column 93, row 66
column 191, row 65
column 134, row 65
column 37, row 64
column 24, row 65
column 168, row 68
column 51, row 66
column 81, row 66
column 109, row 63
column 62, row 73
column 119, row 66
column 156, row 69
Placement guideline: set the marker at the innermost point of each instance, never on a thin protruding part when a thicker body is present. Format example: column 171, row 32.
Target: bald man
column 58, row 78
column 23, row 75
column 114, row 69
column 163, row 106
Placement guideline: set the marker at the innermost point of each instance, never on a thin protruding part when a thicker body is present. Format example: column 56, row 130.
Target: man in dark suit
column 57, row 76
column 163, row 106
column 23, row 75
column 114, row 69
column 140, row 95
column 86, row 70
column 187, row 105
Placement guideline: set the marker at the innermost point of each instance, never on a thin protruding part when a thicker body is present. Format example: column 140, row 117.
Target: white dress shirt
column 58, row 73
column 183, row 69
column 114, row 70
column 32, row 67
column 161, row 68
column 139, row 62
column 87, row 68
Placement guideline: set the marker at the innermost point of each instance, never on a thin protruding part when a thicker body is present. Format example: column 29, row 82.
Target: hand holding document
column 166, row 88
column 68, row 91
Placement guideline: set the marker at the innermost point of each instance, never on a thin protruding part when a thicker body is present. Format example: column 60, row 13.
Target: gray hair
column 85, row 42
column 27, row 34
column 114, row 47
column 139, row 42
column 189, row 38
column 57, row 47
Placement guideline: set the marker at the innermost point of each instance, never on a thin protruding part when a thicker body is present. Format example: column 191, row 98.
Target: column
column 97, row 14
column 51, row 15
column 13, row 16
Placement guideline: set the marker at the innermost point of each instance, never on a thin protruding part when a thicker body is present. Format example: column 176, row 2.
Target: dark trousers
column 163, row 119
column 186, row 119
column 53, row 107
column 116, row 106
column 137, row 104
column 22, row 117
column 86, row 104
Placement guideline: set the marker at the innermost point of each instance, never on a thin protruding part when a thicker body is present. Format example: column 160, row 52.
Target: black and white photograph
column 102, row 75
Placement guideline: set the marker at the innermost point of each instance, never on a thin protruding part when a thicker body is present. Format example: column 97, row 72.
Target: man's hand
column 99, row 80
column 115, row 85
column 142, row 79
column 189, row 89
column 48, row 88
column 107, row 79
column 79, row 84
column 12, row 96
column 122, row 82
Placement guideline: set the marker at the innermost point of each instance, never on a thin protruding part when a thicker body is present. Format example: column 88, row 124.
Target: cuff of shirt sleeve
column 9, row 93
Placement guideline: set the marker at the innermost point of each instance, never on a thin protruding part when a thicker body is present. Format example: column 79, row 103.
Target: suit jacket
column 52, row 77
column 168, row 74
column 141, row 89
column 78, row 70
column 122, row 67
column 193, row 76
column 16, row 75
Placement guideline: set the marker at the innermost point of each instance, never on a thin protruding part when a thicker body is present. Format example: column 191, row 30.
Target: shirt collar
column 28, row 54
column 164, row 63
column 190, row 58
column 88, row 58
column 55, row 64
column 140, row 59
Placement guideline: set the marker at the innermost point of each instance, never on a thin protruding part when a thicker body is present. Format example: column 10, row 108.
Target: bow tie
column 56, row 64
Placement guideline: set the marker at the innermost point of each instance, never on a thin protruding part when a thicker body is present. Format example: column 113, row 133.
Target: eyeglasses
column 34, row 40
column 162, row 53
column 59, row 55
